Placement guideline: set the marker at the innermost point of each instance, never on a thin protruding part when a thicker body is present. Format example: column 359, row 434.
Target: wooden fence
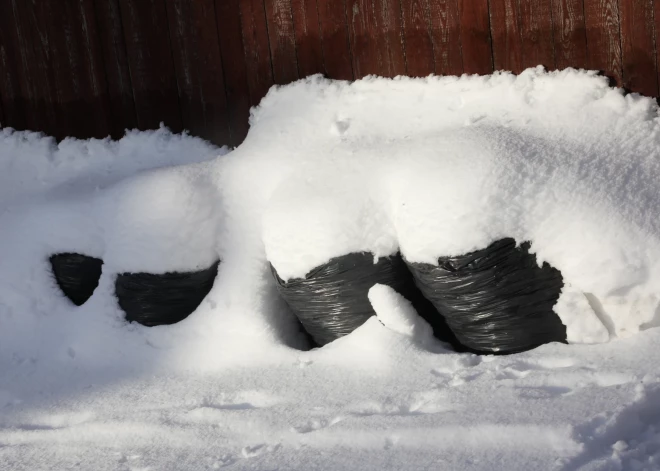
column 96, row 67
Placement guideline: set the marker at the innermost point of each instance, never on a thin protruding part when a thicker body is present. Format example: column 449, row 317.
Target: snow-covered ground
column 430, row 167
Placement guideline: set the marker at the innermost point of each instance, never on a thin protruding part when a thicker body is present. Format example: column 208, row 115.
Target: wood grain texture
column 335, row 39
column 363, row 33
column 537, row 34
column 417, row 38
column 390, row 16
column 282, row 37
column 237, row 90
column 309, row 47
column 603, row 37
column 69, row 40
column 35, row 73
column 115, row 61
column 151, row 66
column 257, row 48
column 639, row 64
column 14, row 105
column 198, row 66
column 475, row 36
column 505, row 27
column 446, row 36
column 569, row 33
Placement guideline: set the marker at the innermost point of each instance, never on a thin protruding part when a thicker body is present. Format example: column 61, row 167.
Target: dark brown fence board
column 257, row 50
column 92, row 67
column 603, row 37
column 309, row 48
column 536, row 32
column 475, row 36
column 151, row 65
column 375, row 31
column 569, row 33
column 365, row 43
column 282, row 37
column 14, row 105
column 69, row 32
column 640, row 72
column 35, row 77
column 118, row 77
column 392, row 19
column 198, row 65
column 335, row 39
column 446, row 37
column 417, row 38
column 230, row 36
column 505, row 29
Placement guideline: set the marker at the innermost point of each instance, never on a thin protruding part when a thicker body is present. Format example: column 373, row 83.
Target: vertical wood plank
column 569, row 33
column 505, row 27
column 230, row 36
column 417, row 38
column 390, row 18
column 282, row 37
column 446, row 36
column 69, row 37
column 151, row 65
column 120, row 88
column 536, row 32
column 257, row 49
column 376, row 37
column 363, row 29
column 198, row 66
column 335, row 39
column 308, row 37
column 475, row 36
column 36, row 80
column 14, row 105
column 603, row 37
column 640, row 72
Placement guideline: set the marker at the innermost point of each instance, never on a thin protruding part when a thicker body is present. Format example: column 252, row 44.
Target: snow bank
column 443, row 166
column 431, row 167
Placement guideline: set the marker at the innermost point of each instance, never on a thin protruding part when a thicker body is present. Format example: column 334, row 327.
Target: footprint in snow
column 316, row 424
column 424, row 402
column 257, row 450
column 222, row 461
column 240, row 401
column 58, row 421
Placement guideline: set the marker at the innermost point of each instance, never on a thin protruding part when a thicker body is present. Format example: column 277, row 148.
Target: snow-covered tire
column 76, row 275
column 162, row 299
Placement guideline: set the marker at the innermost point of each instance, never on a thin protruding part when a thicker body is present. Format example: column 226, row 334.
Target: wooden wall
column 96, row 67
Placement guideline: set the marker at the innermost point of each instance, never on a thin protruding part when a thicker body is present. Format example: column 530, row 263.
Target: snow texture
column 431, row 167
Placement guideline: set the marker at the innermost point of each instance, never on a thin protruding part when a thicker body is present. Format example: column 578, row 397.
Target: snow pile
column 444, row 166
column 430, row 167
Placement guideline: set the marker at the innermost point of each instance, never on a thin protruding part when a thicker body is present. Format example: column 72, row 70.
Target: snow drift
column 427, row 167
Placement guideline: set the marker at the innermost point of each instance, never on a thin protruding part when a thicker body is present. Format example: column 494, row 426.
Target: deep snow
column 431, row 167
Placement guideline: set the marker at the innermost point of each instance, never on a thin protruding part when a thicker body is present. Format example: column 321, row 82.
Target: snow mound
column 444, row 166
column 430, row 167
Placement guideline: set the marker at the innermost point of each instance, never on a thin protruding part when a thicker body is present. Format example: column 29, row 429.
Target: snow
column 429, row 167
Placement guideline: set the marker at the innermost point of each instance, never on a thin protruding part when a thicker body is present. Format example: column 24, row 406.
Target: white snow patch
column 430, row 167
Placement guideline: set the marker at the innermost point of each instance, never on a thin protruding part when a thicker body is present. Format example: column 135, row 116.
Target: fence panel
column 91, row 68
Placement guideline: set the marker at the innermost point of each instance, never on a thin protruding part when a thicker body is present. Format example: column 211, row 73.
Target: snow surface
column 430, row 167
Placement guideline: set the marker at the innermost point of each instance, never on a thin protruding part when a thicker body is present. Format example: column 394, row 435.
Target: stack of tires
column 149, row 299
column 497, row 300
